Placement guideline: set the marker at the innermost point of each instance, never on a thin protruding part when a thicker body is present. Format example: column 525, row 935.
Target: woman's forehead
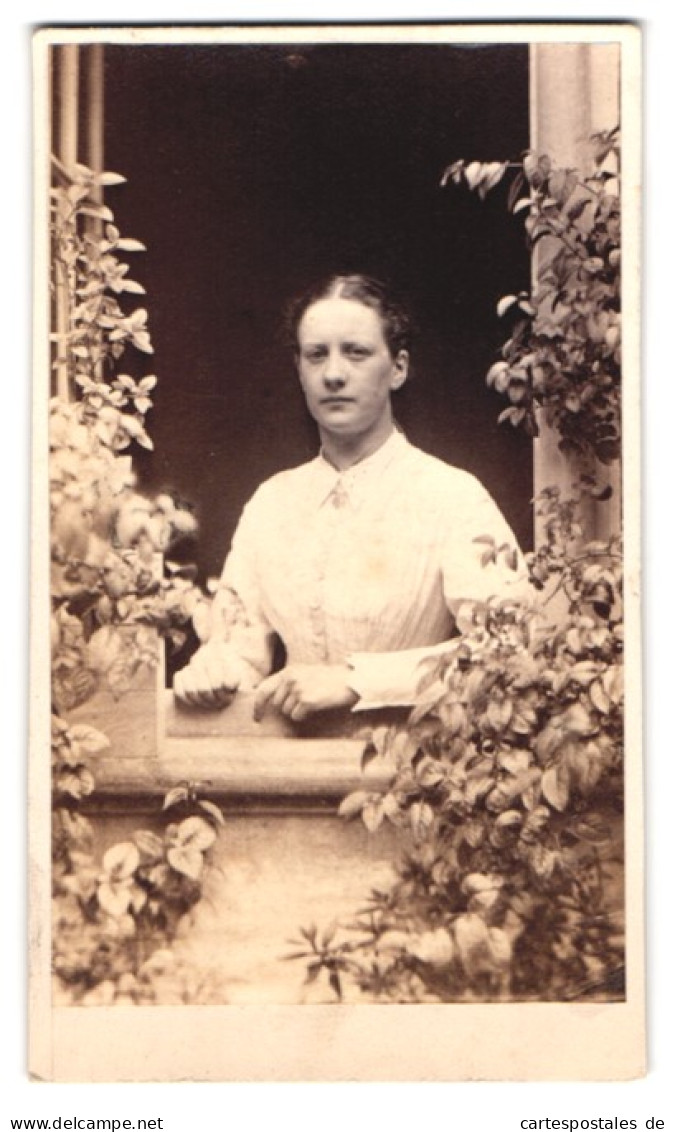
column 337, row 317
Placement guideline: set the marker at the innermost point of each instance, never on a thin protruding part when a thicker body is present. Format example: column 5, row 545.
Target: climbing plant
column 113, row 591
column 562, row 359
column 507, row 779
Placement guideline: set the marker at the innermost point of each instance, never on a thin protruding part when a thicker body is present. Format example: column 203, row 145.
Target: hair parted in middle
column 397, row 325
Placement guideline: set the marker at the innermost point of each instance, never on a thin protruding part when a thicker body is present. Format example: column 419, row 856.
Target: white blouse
column 367, row 567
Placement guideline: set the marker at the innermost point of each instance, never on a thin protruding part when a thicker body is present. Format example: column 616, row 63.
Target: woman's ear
column 400, row 371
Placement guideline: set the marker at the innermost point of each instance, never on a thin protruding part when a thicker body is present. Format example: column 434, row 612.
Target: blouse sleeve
column 480, row 559
column 237, row 616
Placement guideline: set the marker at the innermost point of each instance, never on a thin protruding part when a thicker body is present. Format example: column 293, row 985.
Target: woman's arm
column 237, row 641
column 470, row 576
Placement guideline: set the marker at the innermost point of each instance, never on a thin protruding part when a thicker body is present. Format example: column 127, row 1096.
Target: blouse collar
column 355, row 479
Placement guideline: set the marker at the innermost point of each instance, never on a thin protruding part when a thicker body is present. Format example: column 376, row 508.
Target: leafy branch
column 112, row 592
column 562, row 360
column 507, row 794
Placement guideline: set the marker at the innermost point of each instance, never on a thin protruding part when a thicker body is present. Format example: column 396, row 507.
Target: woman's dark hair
column 396, row 322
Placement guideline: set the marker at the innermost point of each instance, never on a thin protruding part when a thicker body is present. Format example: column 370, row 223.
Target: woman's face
column 346, row 369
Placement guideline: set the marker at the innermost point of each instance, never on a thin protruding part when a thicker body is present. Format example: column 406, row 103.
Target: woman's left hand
column 300, row 689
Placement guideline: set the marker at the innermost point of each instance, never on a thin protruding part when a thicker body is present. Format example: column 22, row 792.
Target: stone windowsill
column 156, row 744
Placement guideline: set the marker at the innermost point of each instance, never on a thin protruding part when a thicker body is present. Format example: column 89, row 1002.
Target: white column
column 69, row 79
column 94, row 107
column 574, row 91
column 80, row 86
column 65, row 145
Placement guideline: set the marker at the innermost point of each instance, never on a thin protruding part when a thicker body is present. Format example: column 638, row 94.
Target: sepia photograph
column 336, row 475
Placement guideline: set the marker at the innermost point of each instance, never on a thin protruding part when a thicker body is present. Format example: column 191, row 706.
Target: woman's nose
column 333, row 380
column 333, row 374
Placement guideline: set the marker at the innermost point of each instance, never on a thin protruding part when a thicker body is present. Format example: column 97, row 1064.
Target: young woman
column 364, row 560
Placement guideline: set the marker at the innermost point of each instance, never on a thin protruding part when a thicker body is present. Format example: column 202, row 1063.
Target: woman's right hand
column 211, row 678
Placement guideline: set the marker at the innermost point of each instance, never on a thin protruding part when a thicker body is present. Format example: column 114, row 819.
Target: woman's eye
column 314, row 355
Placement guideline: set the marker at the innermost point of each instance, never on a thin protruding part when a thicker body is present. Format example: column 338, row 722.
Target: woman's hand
column 211, row 678
column 300, row 689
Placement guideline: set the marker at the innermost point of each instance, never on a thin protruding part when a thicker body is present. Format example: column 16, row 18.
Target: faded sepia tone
column 211, row 848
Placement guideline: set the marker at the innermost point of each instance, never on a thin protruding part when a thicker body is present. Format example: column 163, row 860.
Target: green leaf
column 114, row 898
column 393, row 941
column 313, row 972
column 453, row 717
column 481, row 882
column 213, row 811
column 109, row 179
column 555, row 786
column 575, row 210
column 187, row 861
column 372, row 815
column 515, row 762
column 435, row 948
column 516, row 186
column 473, row 173
column 421, row 819
column 175, row 796
column 530, row 165
column 557, row 184
column 498, row 377
column 98, row 211
column 543, row 861
column 509, row 818
column 473, row 833
column 429, row 773
column 380, row 738
column 104, row 649
column 612, row 682
column 127, row 245
column 353, row 804
column 592, row 828
column 471, row 939
column 452, row 172
column 194, row 833
column 493, row 173
column 89, row 739
column 576, row 720
column 534, row 823
column 391, row 808
column 505, row 304
column 512, row 414
column 149, row 844
column 368, row 754
column 132, row 287
column 477, row 787
column 584, row 672
column 121, row 860
column 500, row 948
column 334, row 980
column 499, row 713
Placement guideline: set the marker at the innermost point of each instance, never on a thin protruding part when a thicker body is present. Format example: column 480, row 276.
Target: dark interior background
column 254, row 169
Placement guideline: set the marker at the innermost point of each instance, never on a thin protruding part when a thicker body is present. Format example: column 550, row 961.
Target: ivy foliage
column 507, row 778
column 563, row 356
column 116, row 917
column 507, row 791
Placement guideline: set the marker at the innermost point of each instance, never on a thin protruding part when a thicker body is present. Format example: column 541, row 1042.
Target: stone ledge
column 156, row 745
